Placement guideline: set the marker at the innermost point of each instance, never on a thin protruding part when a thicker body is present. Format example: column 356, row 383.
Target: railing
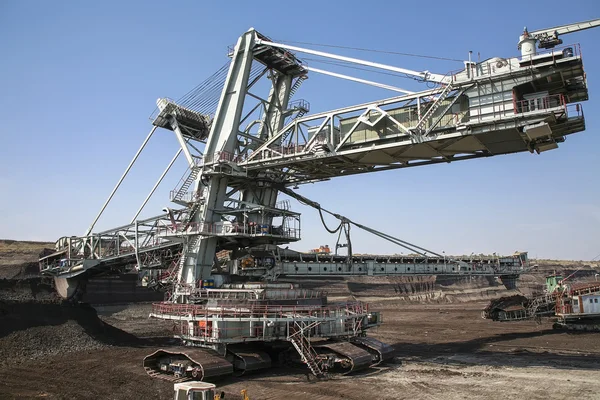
column 188, row 197
column 221, row 156
column 204, row 330
column 539, row 103
column 501, row 65
column 299, row 104
column 274, row 151
column 279, row 294
column 349, row 309
column 574, row 111
column 233, row 229
column 200, row 323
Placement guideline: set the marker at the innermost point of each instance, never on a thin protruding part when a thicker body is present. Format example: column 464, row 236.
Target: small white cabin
column 588, row 304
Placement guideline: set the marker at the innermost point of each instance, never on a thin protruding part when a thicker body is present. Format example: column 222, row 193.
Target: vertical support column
column 272, row 122
column 137, row 246
column 223, row 135
column 182, row 142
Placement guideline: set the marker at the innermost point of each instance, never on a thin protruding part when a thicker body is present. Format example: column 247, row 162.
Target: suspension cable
column 402, row 243
column 373, row 50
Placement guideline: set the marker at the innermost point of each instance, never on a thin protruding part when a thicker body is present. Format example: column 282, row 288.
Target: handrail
column 539, row 103
column 356, row 308
column 220, row 228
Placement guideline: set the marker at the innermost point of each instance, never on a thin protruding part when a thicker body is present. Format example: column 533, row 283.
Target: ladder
column 433, row 108
column 307, row 353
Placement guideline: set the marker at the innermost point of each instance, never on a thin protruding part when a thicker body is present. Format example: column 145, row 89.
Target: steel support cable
column 209, row 100
column 120, row 181
column 390, row 237
column 219, row 76
column 208, row 95
column 194, row 92
column 374, row 51
column 160, row 179
column 203, row 84
column 194, row 96
column 382, row 235
column 350, row 65
column 208, row 91
column 208, row 105
column 394, row 240
column 399, row 242
column 211, row 95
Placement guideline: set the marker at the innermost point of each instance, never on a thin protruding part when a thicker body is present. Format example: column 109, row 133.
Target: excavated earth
column 444, row 349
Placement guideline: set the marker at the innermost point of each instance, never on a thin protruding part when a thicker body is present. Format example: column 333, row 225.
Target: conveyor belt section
column 157, row 256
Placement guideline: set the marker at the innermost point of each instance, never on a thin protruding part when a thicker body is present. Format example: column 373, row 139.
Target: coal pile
column 35, row 323
column 30, row 289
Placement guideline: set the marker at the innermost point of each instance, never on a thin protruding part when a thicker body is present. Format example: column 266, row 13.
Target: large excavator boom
column 562, row 29
column 549, row 38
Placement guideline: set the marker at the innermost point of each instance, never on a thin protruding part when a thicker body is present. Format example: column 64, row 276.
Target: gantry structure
column 246, row 141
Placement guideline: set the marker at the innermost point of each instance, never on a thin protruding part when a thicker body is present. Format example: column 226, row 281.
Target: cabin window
column 591, row 301
column 595, row 300
column 575, row 302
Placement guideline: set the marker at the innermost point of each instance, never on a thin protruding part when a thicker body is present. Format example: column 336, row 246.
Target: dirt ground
column 444, row 348
column 19, row 258
column 444, row 351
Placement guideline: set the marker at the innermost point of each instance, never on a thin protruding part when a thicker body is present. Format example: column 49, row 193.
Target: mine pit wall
column 439, row 288
column 409, row 288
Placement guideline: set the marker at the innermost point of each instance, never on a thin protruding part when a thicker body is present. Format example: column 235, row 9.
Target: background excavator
column 575, row 305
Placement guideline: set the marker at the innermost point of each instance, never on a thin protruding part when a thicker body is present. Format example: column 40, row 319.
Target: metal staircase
column 433, row 108
column 300, row 107
column 297, row 85
column 177, row 196
column 170, row 277
column 302, row 345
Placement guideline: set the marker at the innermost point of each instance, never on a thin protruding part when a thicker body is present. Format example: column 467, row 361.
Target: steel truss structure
column 498, row 106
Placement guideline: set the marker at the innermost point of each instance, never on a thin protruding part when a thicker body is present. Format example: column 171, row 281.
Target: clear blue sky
column 80, row 78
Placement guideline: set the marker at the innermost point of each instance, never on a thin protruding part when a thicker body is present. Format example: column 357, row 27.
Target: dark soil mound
column 30, row 289
column 33, row 330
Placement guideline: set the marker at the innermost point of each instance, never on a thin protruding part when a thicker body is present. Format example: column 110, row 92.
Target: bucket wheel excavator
column 219, row 251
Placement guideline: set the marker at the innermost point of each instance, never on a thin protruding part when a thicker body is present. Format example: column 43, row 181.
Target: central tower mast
column 229, row 140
